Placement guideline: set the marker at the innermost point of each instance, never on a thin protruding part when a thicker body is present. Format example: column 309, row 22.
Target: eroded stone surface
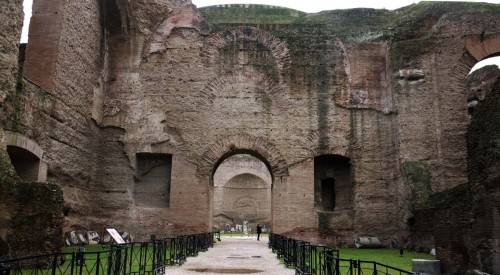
column 10, row 28
column 382, row 88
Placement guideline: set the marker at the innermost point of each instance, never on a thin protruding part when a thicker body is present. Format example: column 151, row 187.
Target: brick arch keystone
column 18, row 140
column 260, row 147
column 481, row 47
column 278, row 48
column 312, row 147
column 477, row 48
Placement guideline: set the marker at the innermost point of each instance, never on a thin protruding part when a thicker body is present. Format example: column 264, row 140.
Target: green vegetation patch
column 418, row 176
column 410, row 31
column 404, row 53
column 36, row 211
column 454, row 197
column 384, row 256
column 250, row 14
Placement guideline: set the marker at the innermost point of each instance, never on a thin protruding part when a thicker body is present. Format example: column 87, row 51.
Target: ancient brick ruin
column 342, row 123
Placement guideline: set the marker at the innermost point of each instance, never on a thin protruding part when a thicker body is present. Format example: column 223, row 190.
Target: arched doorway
column 332, row 183
column 25, row 163
column 241, row 194
column 333, row 189
column 26, row 157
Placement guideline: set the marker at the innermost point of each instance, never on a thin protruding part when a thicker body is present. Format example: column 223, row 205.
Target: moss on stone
column 409, row 22
column 16, row 116
column 418, row 176
column 409, row 30
column 46, row 197
column 455, row 197
column 484, row 141
column 36, row 211
column 486, row 72
column 356, row 25
column 324, row 220
column 403, row 53
column 7, row 171
column 250, row 14
column 4, row 248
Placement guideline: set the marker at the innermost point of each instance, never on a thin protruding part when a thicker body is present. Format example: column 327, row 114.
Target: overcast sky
column 302, row 5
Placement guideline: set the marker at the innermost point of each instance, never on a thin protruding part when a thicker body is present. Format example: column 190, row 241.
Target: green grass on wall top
column 250, row 14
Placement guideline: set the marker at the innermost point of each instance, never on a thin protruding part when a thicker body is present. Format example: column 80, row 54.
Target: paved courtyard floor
column 234, row 255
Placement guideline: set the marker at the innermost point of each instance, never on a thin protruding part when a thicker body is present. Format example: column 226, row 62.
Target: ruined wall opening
column 153, row 180
column 328, row 194
column 26, row 164
column 4, row 248
column 242, row 194
column 480, row 80
column 493, row 59
column 332, row 183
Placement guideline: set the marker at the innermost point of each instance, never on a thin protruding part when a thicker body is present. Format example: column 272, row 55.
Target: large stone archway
column 264, row 154
column 259, row 147
column 242, row 193
column 481, row 46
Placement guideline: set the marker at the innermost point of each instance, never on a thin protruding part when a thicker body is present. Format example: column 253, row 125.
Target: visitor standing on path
column 259, row 231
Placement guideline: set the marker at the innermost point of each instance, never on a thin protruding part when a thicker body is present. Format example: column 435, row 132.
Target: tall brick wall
column 303, row 90
column 10, row 28
column 44, row 39
column 55, row 101
column 384, row 89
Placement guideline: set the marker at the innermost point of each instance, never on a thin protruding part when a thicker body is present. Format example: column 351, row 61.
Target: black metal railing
column 309, row 259
column 130, row 259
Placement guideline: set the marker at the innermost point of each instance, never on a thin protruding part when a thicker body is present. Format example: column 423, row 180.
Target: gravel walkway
column 234, row 255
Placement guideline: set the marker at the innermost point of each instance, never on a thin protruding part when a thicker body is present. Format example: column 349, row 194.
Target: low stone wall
column 31, row 217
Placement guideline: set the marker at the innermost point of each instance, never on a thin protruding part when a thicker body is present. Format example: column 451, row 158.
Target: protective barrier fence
column 308, row 259
column 133, row 258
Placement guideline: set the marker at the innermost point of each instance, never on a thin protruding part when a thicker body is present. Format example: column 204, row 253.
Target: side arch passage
column 26, row 157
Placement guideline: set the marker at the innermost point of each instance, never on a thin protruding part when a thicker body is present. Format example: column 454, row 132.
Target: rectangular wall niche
column 332, row 183
column 152, row 183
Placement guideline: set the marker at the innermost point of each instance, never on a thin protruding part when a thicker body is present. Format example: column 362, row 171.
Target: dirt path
column 234, row 255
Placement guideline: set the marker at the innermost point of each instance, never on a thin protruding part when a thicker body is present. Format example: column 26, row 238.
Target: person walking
column 259, row 231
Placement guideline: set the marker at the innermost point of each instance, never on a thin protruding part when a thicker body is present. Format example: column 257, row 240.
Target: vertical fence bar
column 54, row 264
column 72, row 263
column 97, row 264
column 130, row 250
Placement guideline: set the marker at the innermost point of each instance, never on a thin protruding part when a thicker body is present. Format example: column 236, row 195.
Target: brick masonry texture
column 385, row 89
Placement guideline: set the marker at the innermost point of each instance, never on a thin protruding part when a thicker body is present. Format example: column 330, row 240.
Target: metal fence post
column 54, row 264
column 98, row 261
